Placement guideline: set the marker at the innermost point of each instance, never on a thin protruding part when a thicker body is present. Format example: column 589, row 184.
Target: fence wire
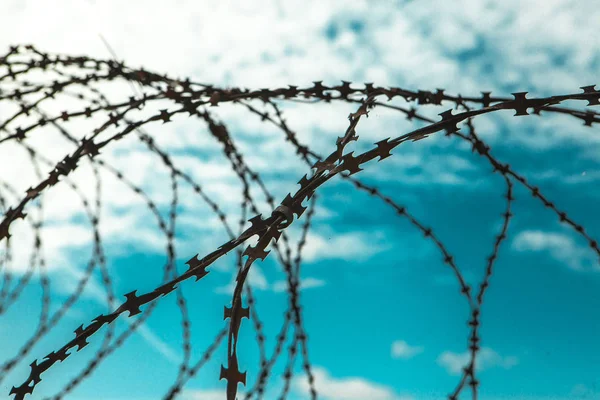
column 82, row 79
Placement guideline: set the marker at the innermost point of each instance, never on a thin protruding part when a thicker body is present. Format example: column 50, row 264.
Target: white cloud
column 401, row 349
column 581, row 391
column 200, row 394
column 486, row 359
column 257, row 279
column 559, row 246
column 306, row 283
column 346, row 246
column 352, row 388
column 272, row 391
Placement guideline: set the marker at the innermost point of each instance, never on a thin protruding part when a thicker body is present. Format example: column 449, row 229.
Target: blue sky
column 384, row 316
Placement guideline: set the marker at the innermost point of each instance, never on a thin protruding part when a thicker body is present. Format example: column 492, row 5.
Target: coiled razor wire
column 75, row 77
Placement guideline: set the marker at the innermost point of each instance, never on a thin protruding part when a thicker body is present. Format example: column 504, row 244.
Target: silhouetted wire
column 85, row 84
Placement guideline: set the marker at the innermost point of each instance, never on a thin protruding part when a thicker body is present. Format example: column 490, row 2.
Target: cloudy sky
column 384, row 315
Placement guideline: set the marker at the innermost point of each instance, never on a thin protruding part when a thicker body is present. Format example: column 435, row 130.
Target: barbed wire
column 75, row 78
